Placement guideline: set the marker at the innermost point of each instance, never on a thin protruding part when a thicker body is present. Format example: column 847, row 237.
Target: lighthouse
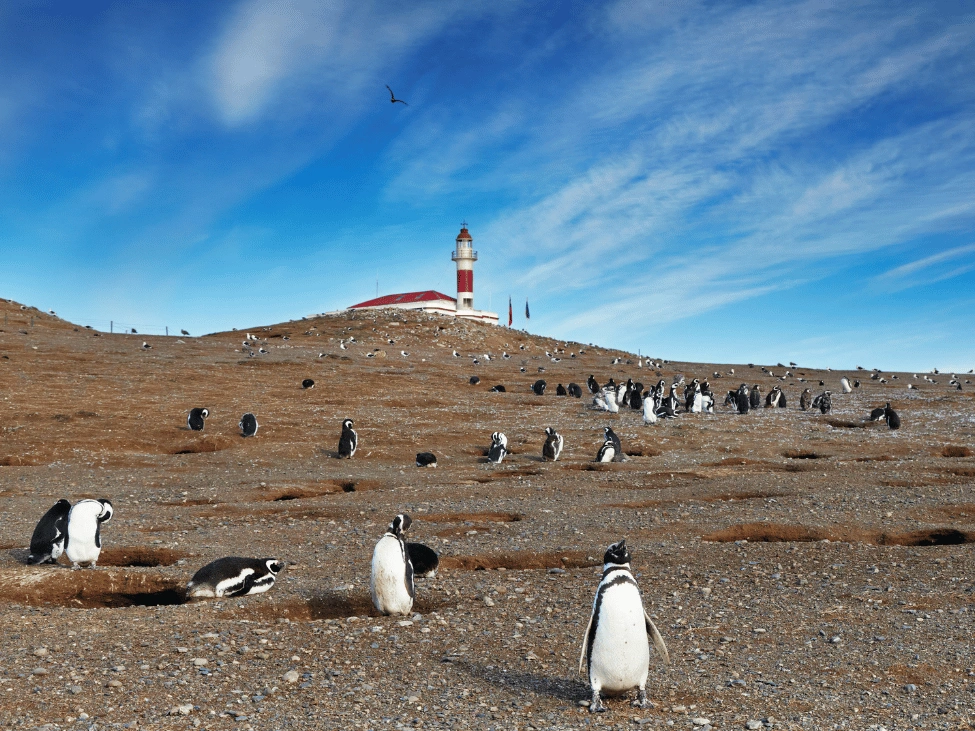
column 465, row 256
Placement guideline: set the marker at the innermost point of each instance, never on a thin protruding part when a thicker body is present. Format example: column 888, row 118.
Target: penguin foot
column 641, row 700
column 75, row 566
column 596, row 705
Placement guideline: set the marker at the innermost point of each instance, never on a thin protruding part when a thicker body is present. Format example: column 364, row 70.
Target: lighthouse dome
column 464, row 235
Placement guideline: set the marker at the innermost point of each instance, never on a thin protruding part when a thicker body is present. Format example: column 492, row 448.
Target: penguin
column 891, row 417
column 50, row 535
column 606, row 400
column 574, row 390
column 308, row 383
column 391, row 581
column 615, row 649
column 824, row 402
column 499, row 389
column 498, row 448
column 552, row 449
column 845, row 384
column 424, row 559
column 742, row 399
column 775, row 398
column 592, row 385
column 877, row 414
column 649, row 411
column 611, row 436
column 636, row 399
column 474, row 380
column 607, row 452
column 755, row 398
column 560, row 390
column 84, row 540
column 248, row 425
column 804, row 399
column 426, row 459
column 197, row 417
column 349, row 440
column 234, row 576
column 539, row 387
column 856, row 384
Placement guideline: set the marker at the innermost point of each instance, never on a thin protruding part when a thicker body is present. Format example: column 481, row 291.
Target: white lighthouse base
column 429, row 301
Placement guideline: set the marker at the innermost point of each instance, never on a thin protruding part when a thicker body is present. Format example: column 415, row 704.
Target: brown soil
column 810, row 528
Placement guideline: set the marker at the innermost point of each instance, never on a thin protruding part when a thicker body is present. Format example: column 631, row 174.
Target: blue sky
column 760, row 181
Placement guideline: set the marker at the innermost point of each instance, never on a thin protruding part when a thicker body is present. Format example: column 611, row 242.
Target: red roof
column 464, row 235
column 405, row 298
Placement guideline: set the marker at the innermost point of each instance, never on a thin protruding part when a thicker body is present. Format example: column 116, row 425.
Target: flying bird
column 392, row 97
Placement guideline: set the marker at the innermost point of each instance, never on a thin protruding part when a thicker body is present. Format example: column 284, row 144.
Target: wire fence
column 30, row 316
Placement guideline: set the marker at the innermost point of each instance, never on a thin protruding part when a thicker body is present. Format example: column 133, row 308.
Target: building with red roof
column 437, row 302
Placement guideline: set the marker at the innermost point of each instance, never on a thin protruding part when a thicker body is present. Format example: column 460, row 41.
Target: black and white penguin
column 775, row 399
column 611, row 436
column 742, row 399
column 474, row 380
column 424, row 559
column 234, row 576
column 538, row 387
column 649, row 410
column 349, row 440
column 891, row 417
column 592, row 385
column 392, row 571
column 615, row 649
column 248, row 425
column 636, row 399
column 560, row 390
column 499, row 389
column 824, row 402
column 498, row 448
column 426, row 459
column 308, row 383
column 845, row 385
column 552, row 449
column 607, row 452
column 805, row 399
column 671, row 404
column 84, row 541
column 574, row 390
column 50, row 535
column 755, row 397
column 877, row 413
column 197, row 417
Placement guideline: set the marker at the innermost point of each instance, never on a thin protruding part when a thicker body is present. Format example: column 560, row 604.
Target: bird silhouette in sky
column 392, row 97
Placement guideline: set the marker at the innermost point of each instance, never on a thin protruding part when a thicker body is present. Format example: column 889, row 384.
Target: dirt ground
column 806, row 571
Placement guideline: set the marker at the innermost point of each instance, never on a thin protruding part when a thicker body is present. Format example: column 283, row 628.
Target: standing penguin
column 755, row 398
column 392, row 571
column 248, row 425
column 824, row 402
column 349, row 440
column 539, row 387
column 50, row 535
column 560, row 390
column 891, row 417
column 574, row 390
column 195, row 419
column 84, row 542
column 845, row 385
column 498, row 448
column 611, row 436
column 615, row 650
column 775, row 398
column 552, row 449
column 607, row 452
column 742, row 399
column 804, row 399
column 649, row 410
column 591, row 384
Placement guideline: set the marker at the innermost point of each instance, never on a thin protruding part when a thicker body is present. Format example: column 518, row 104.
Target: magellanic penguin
column 498, row 448
column 775, row 398
column 755, row 397
column 891, row 417
column 649, row 410
column 539, row 387
column 50, row 535
column 611, row 436
column 392, row 571
column 560, row 390
column 804, row 399
column 845, row 385
column 552, row 449
column 591, row 384
column 349, row 440
column 607, row 452
column 499, row 389
column 308, row 383
column 574, row 390
column 426, row 459
column 197, row 417
column 615, row 650
column 823, row 402
column 424, row 559
column 234, row 576
column 248, row 425
column 877, row 413
column 84, row 542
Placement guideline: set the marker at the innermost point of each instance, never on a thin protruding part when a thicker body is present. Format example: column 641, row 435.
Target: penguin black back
column 426, row 459
column 248, row 425
column 424, row 559
column 592, row 385
column 50, row 534
column 308, row 383
column 560, row 390
column 349, row 441
column 196, row 418
column 539, row 387
column 574, row 390
column 499, row 389
column 891, row 417
column 474, row 380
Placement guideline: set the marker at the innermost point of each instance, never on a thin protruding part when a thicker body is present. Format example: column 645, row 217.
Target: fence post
column 111, row 326
column 167, row 331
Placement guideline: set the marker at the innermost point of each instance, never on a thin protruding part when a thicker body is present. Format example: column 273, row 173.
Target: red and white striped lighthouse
column 465, row 256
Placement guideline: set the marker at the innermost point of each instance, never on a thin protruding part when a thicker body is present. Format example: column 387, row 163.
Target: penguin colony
column 616, row 644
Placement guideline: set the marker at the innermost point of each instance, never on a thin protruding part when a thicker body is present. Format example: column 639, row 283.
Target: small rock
column 41, row 652
column 910, row 688
column 753, row 724
column 701, row 721
column 835, row 640
column 182, row 650
column 39, row 671
column 74, row 689
column 413, row 699
column 488, row 601
column 199, row 661
column 183, row 710
column 291, row 676
column 113, row 684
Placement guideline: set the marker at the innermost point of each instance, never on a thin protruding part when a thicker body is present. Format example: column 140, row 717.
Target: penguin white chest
column 620, row 658
column 392, row 578
column 84, row 545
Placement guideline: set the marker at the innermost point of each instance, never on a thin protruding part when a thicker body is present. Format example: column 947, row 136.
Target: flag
column 510, row 315
column 528, row 315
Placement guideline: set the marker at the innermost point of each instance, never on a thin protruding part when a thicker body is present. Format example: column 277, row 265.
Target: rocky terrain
column 806, row 571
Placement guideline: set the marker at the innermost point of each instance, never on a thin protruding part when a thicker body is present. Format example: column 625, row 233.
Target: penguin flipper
column 585, row 646
column 658, row 641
